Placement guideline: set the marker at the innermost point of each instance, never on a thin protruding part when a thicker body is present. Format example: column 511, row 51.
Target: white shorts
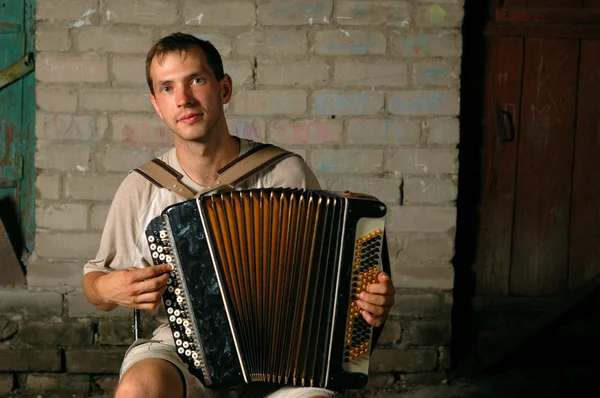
column 162, row 347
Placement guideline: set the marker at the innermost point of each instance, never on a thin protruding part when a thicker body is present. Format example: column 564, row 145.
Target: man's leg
column 151, row 378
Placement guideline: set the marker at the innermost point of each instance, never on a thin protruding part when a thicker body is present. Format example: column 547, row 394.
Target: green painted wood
column 17, row 125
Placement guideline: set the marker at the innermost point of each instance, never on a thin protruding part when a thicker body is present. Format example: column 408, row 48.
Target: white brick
column 240, row 72
column 65, row 216
column 224, row 13
column 383, row 132
column 24, row 302
column 123, row 159
column 92, row 187
column 435, row 15
column 42, row 273
column 374, row 13
column 335, row 42
column 141, row 130
column 221, row 42
column 80, row 307
column 326, row 102
column 141, row 12
column 306, row 12
column 346, row 160
column 98, row 216
column 293, row 73
column 382, row 73
column 69, row 127
column 443, row 44
column 386, row 190
column 115, row 100
column 129, row 70
column 84, row 68
column 306, row 132
column 437, row 73
column 272, row 43
column 68, row 10
column 61, row 157
column 431, row 247
column 442, row 131
column 270, row 102
column 424, row 103
column 56, row 99
column 47, row 186
column 429, row 191
column 112, row 39
column 250, row 128
column 67, row 245
column 424, row 161
column 421, row 219
column 440, row 277
column 52, row 39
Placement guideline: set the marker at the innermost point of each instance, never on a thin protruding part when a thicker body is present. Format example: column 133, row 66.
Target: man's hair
column 182, row 42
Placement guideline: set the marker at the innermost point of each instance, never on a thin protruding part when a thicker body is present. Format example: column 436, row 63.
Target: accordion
column 265, row 282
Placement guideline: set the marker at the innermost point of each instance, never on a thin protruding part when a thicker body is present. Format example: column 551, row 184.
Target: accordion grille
column 278, row 256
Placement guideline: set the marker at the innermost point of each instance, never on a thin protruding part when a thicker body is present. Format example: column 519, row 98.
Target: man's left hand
column 377, row 300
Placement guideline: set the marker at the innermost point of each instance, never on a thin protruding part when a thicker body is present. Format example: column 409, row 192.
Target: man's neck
column 201, row 161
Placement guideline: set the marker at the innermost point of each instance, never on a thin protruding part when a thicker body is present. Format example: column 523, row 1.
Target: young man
column 188, row 90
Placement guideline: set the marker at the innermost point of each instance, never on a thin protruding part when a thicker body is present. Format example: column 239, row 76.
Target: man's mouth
column 190, row 118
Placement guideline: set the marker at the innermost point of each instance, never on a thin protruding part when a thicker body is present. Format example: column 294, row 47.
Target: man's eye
column 165, row 89
column 198, row 80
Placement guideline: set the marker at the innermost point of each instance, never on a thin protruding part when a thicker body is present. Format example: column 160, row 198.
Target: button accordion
column 265, row 282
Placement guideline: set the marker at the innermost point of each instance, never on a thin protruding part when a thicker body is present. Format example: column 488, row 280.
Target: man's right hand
column 140, row 288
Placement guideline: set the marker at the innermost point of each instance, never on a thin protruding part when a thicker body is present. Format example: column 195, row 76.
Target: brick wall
column 366, row 91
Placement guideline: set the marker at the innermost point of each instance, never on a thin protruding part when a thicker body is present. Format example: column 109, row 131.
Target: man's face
column 188, row 97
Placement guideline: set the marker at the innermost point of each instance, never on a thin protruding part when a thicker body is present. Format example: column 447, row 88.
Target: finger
column 377, row 299
column 152, row 285
column 372, row 320
column 151, row 272
column 384, row 285
column 372, row 308
column 149, row 298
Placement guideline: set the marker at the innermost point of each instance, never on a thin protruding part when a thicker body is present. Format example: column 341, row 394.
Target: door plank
column 503, row 93
column 554, row 3
column 545, row 163
column 585, row 211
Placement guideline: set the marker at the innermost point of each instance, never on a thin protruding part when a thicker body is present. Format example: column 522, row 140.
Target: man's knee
column 151, row 378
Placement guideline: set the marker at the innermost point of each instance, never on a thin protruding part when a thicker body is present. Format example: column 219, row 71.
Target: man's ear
column 226, row 89
column 154, row 104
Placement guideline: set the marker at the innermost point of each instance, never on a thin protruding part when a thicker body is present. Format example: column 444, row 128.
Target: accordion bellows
column 265, row 283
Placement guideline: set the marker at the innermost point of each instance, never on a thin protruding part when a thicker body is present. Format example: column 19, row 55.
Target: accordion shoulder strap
column 258, row 158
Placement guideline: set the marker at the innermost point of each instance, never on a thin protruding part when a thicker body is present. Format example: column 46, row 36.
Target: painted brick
column 241, row 73
column 80, row 307
column 439, row 191
column 423, row 277
column 293, row 73
column 416, row 305
column 326, row 102
column 437, row 73
column 336, row 42
column 306, row 12
column 141, row 130
column 421, row 45
column 428, row 332
column 271, row 43
column 98, row 215
column 63, row 334
column 404, row 360
column 423, row 103
column 112, row 39
column 123, row 159
column 383, row 132
column 98, row 361
column 70, row 385
column 58, row 68
column 221, row 42
column 391, row 333
column 68, row 10
column 47, row 185
column 442, row 131
column 423, row 161
column 129, row 70
column 30, row 360
column 52, row 39
column 61, row 157
column 439, row 15
column 379, row 13
column 141, row 12
column 7, row 383
column 242, row 13
column 8, row 329
column 67, row 245
column 19, row 301
column 70, row 127
column 386, row 190
column 92, row 187
column 421, row 219
column 115, row 100
column 61, row 216
column 430, row 247
column 270, row 102
column 50, row 274
column 250, row 128
column 382, row 73
column 306, row 132
column 346, row 160
column 56, row 99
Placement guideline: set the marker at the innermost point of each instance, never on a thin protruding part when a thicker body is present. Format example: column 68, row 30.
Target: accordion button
column 172, row 318
column 155, row 255
column 197, row 364
column 168, row 302
column 177, row 312
column 176, row 335
column 186, row 345
column 168, row 258
column 151, row 239
column 169, row 311
column 159, row 249
column 188, row 331
column 195, row 355
column 188, row 353
column 178, row 291
column 171, row 289
column 180, row 299
column 186, row 323
column 178, row 342
column 180, row 350
column 153, row 246
column 162, row 234
column 179, row 321
column 161, row 257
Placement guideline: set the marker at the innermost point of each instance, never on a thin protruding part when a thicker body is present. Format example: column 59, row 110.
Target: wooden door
column 539, row 210
column 17, row 118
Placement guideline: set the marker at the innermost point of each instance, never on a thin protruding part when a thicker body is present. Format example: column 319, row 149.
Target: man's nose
column 185, row 97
